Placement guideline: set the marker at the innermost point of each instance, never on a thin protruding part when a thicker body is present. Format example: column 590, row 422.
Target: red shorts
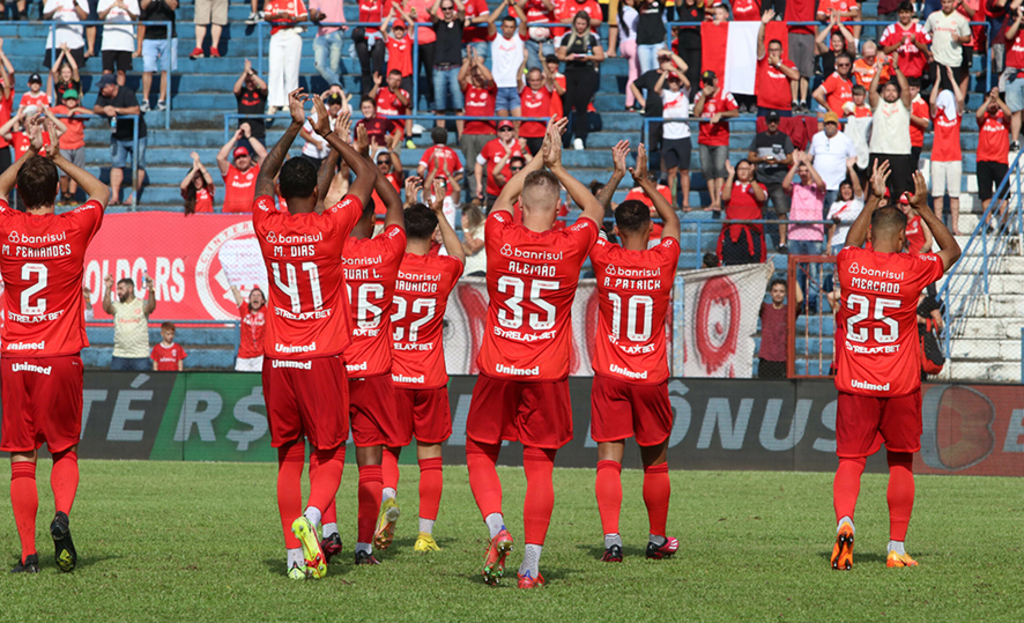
column 536, row 413
column 306, row 397
column 374, row 415
column 864, row 422
column 42, row 402
column 620, row 409
column 427, row 412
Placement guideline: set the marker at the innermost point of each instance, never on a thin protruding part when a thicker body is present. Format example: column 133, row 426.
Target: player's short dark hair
column 905, row 7
column 858, row 90
column 127, row 281
column 914, row 82
column 508, row 18
column 515, row 159
column 420, row 222
column 298, row 179
column 895, row 84
column 774, row 41
column 395, row 71
column 632, row 216
column 37, row 182
column 888, row 218
column 439, row 135
column 167, row 325
column 846, row 55
column 710, row 260
column 777, row 282
column 367, row 99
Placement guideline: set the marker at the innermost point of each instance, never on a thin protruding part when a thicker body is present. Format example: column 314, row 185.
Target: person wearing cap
column 439, row 159
column 399, row 46
column 890, row 129
column 72, row 141
column 772, row 152
column 118, row 36
column 493, row 152
column 479, row 93
column 113, row 101
column 240, row 176
column 316, row 149
column 831, row 150
column 285, row 50
column 157, row 53
column 35, row 95
column 715, row 106
column 775, row 75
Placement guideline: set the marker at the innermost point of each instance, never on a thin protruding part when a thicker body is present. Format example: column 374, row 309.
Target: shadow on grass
column 628, row 551
column 337, row 567
column 857, row 557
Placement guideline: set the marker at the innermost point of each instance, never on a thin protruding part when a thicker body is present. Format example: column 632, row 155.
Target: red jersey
column 204, row 199
column 21, row 142
column 634, row 290
column 915, row 234
column 400, row 55
column 1015, row 51
column 838, row 91
column 371, row 11
column 535, row 104
column 167, row 358
column 388, row 102
column 825, row 8
column 531, row 283
column 379, row 209
column 475, row 8
column 748, row 10
column 250, row 342
column 715, row 133
column 294, row 8
column 880, row 354
column 417, row 319
column 371, row 268
column 946, row 142
column 307, row 286
column 491, row 154
column 557, row 110
column 918, row 108
column 41, row 265
column 912, row 61
column 798, row 11
column 773, row 86
column 74, row 137
column 479, row 103
column 638, row 194
column 6, row 107
column 994, row 138
column 29, row 98
column 444, row 154
column 239, row 188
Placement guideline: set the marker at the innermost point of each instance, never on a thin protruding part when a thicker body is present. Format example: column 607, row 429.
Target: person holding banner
column 630, row 392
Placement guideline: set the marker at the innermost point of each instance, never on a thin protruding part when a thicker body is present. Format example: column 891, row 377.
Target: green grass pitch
column 201, row 542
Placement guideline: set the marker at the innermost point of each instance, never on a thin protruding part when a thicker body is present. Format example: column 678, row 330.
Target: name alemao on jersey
column 634, row 289
column 531, row 283
column 371, row 268
column 41, row 261
column 877, row 350
column 307, row 312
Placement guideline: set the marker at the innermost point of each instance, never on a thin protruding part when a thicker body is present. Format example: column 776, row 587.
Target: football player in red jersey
column 522, row 392
column 304, row 380
column 418, row 369
column 878, row 359
column 630, row 391
column 43, row 333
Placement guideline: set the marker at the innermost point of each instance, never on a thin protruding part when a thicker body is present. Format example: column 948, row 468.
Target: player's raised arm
column 552, row 150
column 949, row 250
column 93, row 187
column 619, row 153
column 511, row 191
column 451, row 241
column 394, row 210
column 366, row 172
column 859, row 230
column 10, row 174
column 271, row 165
column 669, row 219
column 325, row 176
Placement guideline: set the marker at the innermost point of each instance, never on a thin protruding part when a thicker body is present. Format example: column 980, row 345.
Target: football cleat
column 425, row 543
column 528, row 581
column 385, row 532
column 297, row 572
column 900, row 560
column 494, row 564
column 65, row 553
column 331, row 546
column 665, row 550
column 612, row 554
column 29, row 565
column 842, row 551
column 366, row 558
column 306, row 534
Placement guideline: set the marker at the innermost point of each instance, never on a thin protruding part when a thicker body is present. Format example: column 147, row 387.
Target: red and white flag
column 730, row 50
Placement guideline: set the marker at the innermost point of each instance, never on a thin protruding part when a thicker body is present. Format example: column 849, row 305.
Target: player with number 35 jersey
column 879, row 360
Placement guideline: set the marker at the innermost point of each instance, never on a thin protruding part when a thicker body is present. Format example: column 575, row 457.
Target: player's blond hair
column 541, row 190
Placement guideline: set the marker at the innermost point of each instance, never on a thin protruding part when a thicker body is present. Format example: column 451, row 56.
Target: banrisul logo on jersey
column 231, row 258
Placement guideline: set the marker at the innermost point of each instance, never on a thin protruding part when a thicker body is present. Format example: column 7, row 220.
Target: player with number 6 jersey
column 304, row 380
column 41, row 262
column 629, row 396
column 879, row 359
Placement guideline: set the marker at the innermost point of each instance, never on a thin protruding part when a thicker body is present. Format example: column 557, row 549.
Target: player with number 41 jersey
column 879, row 359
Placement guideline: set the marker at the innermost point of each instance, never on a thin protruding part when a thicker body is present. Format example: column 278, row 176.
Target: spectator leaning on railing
column 114, row 101
column 285, row 50
column 157, row 53
column 328, row 46
column 65, row 37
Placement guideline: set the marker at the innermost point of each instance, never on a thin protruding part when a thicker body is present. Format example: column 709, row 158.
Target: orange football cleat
column 842, row 552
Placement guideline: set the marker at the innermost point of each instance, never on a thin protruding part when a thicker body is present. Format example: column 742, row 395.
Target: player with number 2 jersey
column 879, row 360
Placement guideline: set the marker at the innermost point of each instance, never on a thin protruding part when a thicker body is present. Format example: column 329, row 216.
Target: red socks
column 431, row 485
column 370, row 485
column 64, row 480
column 389, row 467
column 900, row 493
column 538, row 463
column 25, row 500
column 608, row 488
column 657, row 490
column 483, row 477
column 846, row 486
column 325, row 467
column 290, row 461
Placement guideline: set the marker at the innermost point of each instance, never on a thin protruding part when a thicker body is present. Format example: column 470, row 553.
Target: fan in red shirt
column 392, row 100
column 168, row 356
column 535, row 93
column 716, row 106
column 993, row 146
column 493, row 153
column 920, row 118
column 240, row 176
column 196, row 188
column 377, row 128
column 439, row 159
column 305, row 384
column 251, row 328
column 399, row 46
column 775, row 74
column 909, row 40
column 744, row 198
column 476, row 12
column 42, row 335
column 418, row 369
column 837, row 90
column 878, row 359
column 480, row 94
column 747, row 10
column 947, row 108
column 522, row 392
column 630, row 392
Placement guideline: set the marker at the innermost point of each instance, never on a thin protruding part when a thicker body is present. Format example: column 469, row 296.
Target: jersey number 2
column 27, row 308
column 424, row 306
